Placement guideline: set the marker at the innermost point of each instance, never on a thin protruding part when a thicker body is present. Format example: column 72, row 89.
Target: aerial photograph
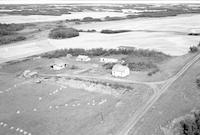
column 110, row 67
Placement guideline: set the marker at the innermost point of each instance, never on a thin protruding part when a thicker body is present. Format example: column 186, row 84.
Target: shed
column 58, row 65
column 108, row 60
column 83, row 58
column 119, row 70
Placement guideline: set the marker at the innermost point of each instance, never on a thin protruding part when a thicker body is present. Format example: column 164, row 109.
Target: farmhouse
column 119, row 70
column 108, row 60
column 83, row 58
column 58, row 65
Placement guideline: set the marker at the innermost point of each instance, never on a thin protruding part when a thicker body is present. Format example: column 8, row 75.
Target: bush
column 92, row 30
column 108, row 65
column 114, row 31
column 140, row 66
column 10, row 39
column 62, row 33
column 193, row 49
column 104, row 52
column 153, row 72
column 90, row 19
column 198, row 82
column 190, row 126
column 10, row 29
column 108, row 18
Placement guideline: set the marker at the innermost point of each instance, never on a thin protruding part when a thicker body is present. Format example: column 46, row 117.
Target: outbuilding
column 108, row 60
column 83, row 58
column 119, row 70
column 58, row 65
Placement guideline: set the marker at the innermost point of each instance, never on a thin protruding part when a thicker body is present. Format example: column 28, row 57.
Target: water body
column 167, row 34
column 47, row 18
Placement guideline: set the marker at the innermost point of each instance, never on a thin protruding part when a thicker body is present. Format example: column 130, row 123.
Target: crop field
column 50, row 107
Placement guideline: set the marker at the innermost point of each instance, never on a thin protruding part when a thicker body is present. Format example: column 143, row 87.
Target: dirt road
column 142, row 111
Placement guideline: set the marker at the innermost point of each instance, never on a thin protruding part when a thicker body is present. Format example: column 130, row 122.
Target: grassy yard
column 53, row 108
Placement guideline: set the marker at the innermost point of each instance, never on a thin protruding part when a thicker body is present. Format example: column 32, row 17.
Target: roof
column 82, row 56
column 120, row 68
column 59, row 62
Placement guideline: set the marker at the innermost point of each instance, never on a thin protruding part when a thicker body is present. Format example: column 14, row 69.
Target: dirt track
column 141, row 112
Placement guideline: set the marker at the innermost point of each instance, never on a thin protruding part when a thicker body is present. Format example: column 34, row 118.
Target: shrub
column 105, row 52
column 9, row 29
column 114, row 31
column 62, row 33
column 153, row 72
column 10, row 39
column 108, row 18
column 198, row 82
column 90, row 19
column 92, row 30
column 190, row 126
column 108, row 65
column 193, row 49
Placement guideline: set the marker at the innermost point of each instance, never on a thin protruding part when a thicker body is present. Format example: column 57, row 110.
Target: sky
column 93, row 1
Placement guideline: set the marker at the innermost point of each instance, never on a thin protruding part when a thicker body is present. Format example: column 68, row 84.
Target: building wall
column 120, row 74
column 108, row 60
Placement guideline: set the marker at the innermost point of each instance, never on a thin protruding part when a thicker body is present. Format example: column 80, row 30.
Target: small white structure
column 29, row 74
column 119, row 70
column 83, row 58
column 69, row 56
column 108, row 60
column 58, row 65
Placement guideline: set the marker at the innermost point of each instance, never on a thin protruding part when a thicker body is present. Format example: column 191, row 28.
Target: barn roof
column 119, row 68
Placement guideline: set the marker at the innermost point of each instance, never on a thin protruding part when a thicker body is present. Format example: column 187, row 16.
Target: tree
column 61, row 33
column 193, row 49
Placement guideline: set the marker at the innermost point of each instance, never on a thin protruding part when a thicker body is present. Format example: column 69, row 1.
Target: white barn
column 119, row 70
column 83, row 58
column 108, row 60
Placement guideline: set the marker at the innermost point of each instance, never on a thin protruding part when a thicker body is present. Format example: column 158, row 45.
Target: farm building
column 119, row 70
column 58, row 65
column 108, row 60
column 83, row 58
column 69, row 56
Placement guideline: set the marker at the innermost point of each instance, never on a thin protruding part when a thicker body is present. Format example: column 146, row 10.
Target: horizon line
column 100, row 2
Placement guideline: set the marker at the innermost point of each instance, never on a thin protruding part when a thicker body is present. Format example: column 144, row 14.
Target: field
column 85, row 98
column 52, row 107
column 180, row 99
